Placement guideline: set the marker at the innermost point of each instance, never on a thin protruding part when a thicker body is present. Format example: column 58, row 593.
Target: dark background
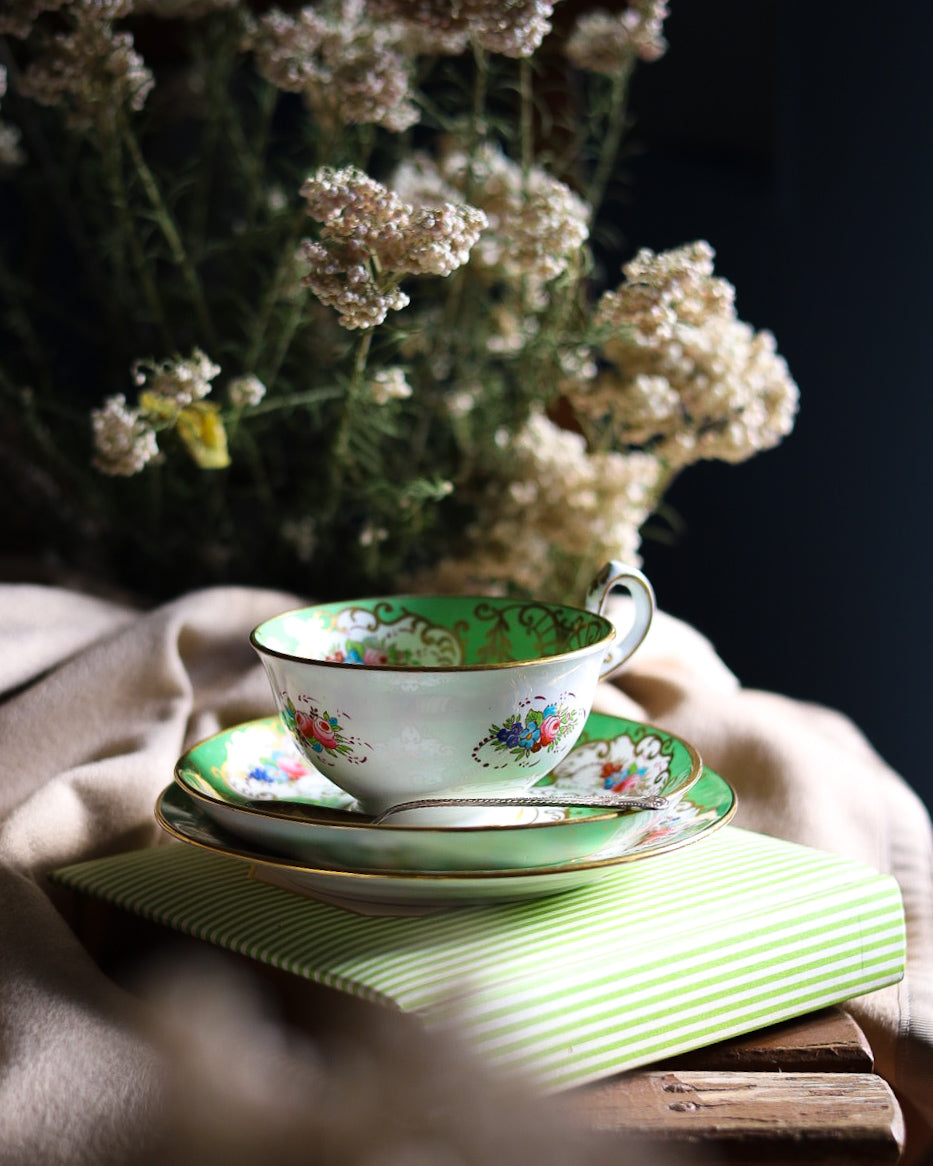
column 796, row 138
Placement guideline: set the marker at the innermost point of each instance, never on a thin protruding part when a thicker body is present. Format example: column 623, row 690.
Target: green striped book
column 662, row 956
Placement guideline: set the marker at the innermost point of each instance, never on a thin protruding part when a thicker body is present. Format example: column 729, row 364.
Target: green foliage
column 155, row 225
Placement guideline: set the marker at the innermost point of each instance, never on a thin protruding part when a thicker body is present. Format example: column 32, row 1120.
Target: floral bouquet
column 328, row 297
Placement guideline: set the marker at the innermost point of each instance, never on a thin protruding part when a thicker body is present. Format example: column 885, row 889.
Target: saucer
column 703, row 809
column 252, row 781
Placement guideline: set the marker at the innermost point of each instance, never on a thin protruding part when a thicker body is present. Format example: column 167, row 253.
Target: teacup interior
column 431, row 632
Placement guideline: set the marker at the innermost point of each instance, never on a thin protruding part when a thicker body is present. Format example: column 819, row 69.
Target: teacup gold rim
column 610, row 633
column 243, row 854
column 696, row 771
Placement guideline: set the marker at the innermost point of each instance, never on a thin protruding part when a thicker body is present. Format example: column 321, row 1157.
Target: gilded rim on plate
column 351, row 875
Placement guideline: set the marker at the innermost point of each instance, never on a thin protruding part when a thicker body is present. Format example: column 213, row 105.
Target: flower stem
column 14, row 303
column 252, row 155
column 217, row 61
column 292, row 323
column 478, row 118
column 527, row 147
column 341, row 444
column 166, row 222
column 50, row 162
column 273, row 291
column 113, row 166
column 612, row 138
column 526, row 123
column 442, row 120
column 293, row 401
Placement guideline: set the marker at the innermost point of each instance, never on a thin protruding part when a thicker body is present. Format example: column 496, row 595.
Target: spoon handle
column 598, row 801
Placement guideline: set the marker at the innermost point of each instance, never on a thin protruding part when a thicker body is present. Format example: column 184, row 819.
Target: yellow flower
column 156, row 406
column 201, row 429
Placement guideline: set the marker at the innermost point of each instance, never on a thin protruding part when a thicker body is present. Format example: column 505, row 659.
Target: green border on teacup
column 419, row 633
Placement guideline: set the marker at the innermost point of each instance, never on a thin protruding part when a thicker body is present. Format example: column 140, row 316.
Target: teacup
column 406, row 697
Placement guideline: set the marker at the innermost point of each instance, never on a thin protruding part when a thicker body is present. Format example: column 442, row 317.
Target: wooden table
column 802, row 1093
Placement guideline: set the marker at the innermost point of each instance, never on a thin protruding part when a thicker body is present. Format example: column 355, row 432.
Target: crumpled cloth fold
column 97, row 701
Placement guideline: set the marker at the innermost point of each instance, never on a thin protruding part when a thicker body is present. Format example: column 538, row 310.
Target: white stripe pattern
column 720, row 938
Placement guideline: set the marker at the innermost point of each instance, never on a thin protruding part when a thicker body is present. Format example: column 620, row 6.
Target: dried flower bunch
column 313, row 296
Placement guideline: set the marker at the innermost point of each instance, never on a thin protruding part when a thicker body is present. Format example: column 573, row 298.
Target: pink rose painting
column 622, row 779
column 324, row 730
column 370, row 651
column 550, row 728
column 293, row 767
column 322, row 733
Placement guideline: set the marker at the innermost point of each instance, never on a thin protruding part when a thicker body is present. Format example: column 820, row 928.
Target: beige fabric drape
column 98, row 701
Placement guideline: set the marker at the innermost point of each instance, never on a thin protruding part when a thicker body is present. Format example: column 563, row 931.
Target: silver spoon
column 599, row 801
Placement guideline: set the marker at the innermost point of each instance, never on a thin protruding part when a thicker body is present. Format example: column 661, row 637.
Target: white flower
column 514, row 28
column 346, row 64
column 389, row 384
column 685, row 378
column 607, row 42
column 536, row 224
column 556, row 505
column 89, row 68
column 246, row 390
column 172, row 384
column 370, row 238
column 123, row 442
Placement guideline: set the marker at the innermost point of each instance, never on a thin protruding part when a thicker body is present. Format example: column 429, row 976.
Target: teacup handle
column 616, row 574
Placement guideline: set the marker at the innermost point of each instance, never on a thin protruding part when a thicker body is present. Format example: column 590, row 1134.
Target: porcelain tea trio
column 440, row 751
